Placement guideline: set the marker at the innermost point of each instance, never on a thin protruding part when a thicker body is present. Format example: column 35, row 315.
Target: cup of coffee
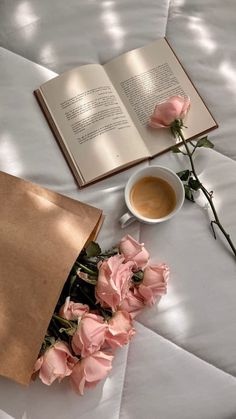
column 152, row 195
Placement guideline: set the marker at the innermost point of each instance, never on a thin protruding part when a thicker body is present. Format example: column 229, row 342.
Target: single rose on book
column 176, row 107
column 94, row 314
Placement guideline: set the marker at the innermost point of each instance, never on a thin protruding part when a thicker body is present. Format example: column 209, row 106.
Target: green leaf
column 47, row 343
column 188, row 193
column 138, row 277
column 107, row 314
column 113, row 251
column 88, row 279
column 204, row 142
column 50, row 340
column 70, row 331
column 194, row 184
column 183, row 175
column 176, row 149
column 93, row 249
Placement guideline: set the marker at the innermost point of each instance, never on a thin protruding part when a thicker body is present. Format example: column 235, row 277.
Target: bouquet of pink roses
column 93, row 317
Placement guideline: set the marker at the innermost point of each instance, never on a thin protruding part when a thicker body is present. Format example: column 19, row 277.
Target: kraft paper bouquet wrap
column 41, row 235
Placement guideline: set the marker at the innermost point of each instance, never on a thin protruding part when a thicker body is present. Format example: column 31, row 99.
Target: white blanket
column 182, row 361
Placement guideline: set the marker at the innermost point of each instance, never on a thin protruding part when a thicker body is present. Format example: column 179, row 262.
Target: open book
column 99, row 113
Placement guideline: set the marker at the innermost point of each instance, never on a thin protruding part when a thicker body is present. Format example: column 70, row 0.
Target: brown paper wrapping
column 41, row 235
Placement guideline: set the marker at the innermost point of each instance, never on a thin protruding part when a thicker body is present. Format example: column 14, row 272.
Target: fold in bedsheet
column 203, row 36
column 182, row 362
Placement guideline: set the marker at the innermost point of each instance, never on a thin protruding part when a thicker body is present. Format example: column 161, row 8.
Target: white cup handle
column 126, row 219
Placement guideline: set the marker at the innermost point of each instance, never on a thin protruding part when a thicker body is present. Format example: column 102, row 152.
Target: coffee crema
column 152, row 197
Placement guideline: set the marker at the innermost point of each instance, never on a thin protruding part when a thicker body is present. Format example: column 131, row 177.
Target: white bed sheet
column 62, row 35
column 182, row 362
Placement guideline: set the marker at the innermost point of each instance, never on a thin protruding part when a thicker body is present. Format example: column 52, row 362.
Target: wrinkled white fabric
column 182, row 362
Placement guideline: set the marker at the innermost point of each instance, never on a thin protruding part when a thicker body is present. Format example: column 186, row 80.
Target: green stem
column 206, row 193
column 62, row 320
column 88, row 298
column 86, row 269
column 100, row 309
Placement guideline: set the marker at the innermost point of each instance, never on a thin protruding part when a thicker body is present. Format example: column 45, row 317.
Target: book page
column 93, row 124
column 150, row 75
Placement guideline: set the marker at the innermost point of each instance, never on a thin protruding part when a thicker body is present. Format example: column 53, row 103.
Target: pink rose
column 89, row 371
column 167, row 112
column 154, row 283
column 56, row 362
column 133, row 302
column 134, row 251
column 90, row 335
column 72, row 311
column 120, row 329
column 113, row 281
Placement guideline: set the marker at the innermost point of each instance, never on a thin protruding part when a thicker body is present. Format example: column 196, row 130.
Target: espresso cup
column 153, row 194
